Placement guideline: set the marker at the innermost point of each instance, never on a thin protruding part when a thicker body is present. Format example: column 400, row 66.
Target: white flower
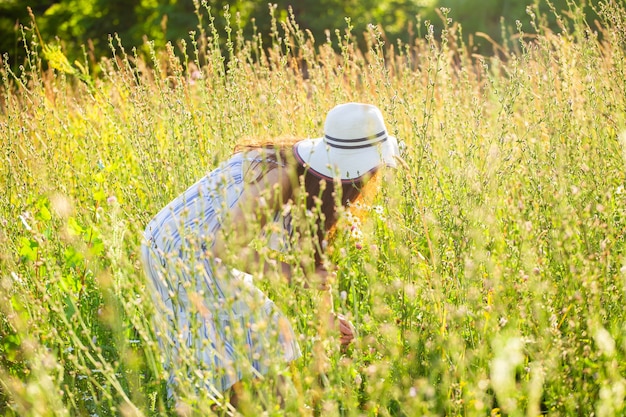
column 358, row 380
column 356, row 233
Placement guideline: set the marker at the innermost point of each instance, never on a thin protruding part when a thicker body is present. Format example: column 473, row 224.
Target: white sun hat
column 355, row 143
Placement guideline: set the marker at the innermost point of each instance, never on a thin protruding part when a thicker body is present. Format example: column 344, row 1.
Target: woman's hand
column 324, row 278
column 346, row 329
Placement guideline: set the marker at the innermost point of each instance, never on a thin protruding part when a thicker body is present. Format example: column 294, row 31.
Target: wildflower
column 61, row 205
column 380, row 212
column 24, row 218
column 194, row 76
column 16, row 278
column 358, row 380
column 99, row 213
column 286, row 209
column 351, row 219
column 604, row 341
column 356, row 233
column 357, row 236
column 57, row 59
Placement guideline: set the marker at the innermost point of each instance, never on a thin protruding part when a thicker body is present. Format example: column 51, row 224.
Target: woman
column 212, row 315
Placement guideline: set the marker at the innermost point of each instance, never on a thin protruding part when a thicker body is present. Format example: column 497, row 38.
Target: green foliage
column 84, row 27
column 323, row 18
column 493, row 24
column 14, row 14
column 486, row 278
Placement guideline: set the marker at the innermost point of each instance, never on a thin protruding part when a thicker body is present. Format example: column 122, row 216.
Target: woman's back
column 191, row 220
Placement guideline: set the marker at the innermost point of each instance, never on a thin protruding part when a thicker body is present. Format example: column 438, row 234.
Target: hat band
column 357, row 143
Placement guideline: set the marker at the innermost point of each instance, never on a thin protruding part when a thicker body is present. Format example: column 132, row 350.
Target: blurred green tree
column 498, row 18
column 90, row 22
column 76, row 22
column 13, row 14
column 323, row 17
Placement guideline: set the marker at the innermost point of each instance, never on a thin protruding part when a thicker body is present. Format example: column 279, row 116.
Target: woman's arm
column 255, row 208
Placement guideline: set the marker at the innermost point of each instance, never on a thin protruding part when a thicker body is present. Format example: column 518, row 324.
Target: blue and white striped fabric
column 217, row 326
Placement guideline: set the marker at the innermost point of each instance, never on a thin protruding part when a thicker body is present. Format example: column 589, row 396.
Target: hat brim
column 348, row 165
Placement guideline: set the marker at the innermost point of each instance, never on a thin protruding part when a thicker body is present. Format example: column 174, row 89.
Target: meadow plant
column 487, row 277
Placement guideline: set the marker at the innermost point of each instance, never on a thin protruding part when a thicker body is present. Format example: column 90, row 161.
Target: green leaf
column 73, row 258
column 97, row 247
column 10, row 346
column 44, row 213
column 74, row 228
column 28, row 249
column 98, row 194
column 70, row 307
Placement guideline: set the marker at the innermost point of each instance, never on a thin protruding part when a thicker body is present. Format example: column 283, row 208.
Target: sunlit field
column 487, row 277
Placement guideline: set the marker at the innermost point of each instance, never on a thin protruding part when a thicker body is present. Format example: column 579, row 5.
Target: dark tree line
column 74, row 24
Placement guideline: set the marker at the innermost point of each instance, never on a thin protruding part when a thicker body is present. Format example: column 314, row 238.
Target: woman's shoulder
column 261, row 153
column 259, row 162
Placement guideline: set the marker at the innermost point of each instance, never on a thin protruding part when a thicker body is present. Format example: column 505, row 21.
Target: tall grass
column 490, row 277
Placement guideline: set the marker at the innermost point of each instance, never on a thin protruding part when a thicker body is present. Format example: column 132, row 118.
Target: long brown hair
column 320, row 195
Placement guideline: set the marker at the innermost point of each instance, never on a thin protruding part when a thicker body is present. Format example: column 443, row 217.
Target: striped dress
column 212, row 323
